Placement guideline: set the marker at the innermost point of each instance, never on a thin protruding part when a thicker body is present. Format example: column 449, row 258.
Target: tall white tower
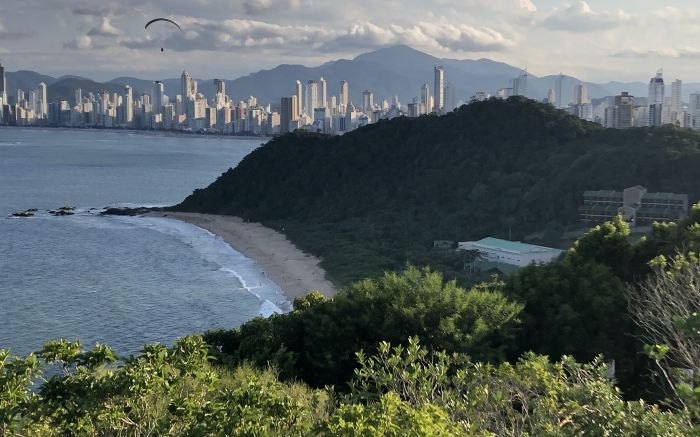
column 187, row 88
column 127, row 105
column 425, row 98
column 323, row 90
column 344, row 92
column 580, row 94
column 559, row 87
column 300, row 101
column 439, row 89
column 676, row 89
column 311, row 97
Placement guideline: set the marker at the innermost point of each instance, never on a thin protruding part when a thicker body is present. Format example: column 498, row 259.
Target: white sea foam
column 214, row 249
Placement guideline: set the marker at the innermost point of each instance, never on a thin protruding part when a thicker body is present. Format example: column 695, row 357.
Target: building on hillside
column 510, row 252
column 635, row 204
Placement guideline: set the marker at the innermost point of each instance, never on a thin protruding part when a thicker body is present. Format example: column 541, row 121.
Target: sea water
column 124, row 281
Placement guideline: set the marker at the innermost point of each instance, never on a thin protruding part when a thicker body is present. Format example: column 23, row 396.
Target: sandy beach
column 293, row 270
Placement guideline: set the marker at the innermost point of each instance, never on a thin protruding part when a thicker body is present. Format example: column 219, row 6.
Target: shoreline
column 155, row 133
column 295, row 272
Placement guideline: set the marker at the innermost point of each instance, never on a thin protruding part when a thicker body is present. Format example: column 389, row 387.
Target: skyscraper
column 367, row 101
column 580, row 94
column 450, row 102
column 3, row 85
column 323, row 91
column 43, row 108
column 558, row 91
column 424, row 99
column 621, row 114
column 656, row 98
column 551, row 97
column 127, row 105
column 188, row 87
column 676, row 88
column 288, row 113
column 311, row 97
column 300, row 102
column 439, row 89
column 520, row 84
column 344, row 92
column 78, row 96
column 220, row 86
column 157, row 97
column 694, row 110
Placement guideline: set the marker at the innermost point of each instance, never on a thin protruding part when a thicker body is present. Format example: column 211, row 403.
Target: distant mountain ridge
column 393, row 71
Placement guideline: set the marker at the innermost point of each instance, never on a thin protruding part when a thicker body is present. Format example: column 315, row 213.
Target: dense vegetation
column 376, row 198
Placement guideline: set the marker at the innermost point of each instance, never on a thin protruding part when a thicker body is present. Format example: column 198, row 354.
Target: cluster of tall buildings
column 657, row 109
column 315, row 106
column 311, row 107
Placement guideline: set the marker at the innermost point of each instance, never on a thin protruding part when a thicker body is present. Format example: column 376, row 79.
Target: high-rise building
column 676, row 91
column 323, row 90
column 127, row 105
column 450, row 102
column 300, row 101
column 520, row 84
column 157, row 97
column 439, row 89
column 311, row 97
column 220, row 86
column 188, row 87
column 551, row 97
column 424, row 99
column 367, row 101
column 559, row 85
column 43, row 108
column 288, row 113
column 78, row 96
column 344, row 92
column 694, row 110
column 656, row 98
column 581, row 94
column 621, row 114
column 3, row 85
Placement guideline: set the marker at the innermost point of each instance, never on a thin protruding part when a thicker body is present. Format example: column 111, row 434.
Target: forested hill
column 377, row 197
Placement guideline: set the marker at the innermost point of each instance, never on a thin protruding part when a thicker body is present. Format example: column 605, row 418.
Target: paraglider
column 167, row 20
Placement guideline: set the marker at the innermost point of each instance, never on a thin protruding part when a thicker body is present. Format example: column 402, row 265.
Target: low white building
column 511, row 252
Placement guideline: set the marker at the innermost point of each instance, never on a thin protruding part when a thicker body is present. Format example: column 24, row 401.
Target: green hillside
column 375, row 198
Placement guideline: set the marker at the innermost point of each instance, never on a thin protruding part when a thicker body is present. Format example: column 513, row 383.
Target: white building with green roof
column 511, row 252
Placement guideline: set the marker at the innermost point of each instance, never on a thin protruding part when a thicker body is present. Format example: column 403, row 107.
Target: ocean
column 124, row 281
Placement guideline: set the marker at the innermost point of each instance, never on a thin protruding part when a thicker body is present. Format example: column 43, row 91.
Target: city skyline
column 593, row 40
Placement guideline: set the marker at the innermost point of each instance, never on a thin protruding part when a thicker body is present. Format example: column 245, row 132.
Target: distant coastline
column 155, row 133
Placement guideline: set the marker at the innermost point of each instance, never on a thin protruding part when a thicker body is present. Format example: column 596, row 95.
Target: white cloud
column 104, row 29
column 237, row 35
column 82, row 42
column 687, row 52
column 580, row 17
column 528, row 5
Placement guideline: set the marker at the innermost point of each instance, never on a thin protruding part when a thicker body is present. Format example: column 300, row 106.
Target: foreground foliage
column 399, row 391
column 317, row 341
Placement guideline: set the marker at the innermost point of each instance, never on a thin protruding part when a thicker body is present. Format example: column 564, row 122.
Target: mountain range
column 392, row 71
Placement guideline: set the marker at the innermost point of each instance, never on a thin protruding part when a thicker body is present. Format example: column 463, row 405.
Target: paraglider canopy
column 162, row 19
column 167, row 20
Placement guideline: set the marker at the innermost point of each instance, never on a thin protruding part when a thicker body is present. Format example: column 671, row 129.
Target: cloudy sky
column 594, row 40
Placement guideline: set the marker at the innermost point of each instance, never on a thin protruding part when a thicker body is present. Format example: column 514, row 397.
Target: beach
column 294, row 271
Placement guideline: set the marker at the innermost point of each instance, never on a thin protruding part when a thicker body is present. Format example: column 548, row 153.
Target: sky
column 595, row 40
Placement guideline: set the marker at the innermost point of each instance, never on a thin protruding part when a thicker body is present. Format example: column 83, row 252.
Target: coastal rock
column 25, row 213
column 128, row 211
